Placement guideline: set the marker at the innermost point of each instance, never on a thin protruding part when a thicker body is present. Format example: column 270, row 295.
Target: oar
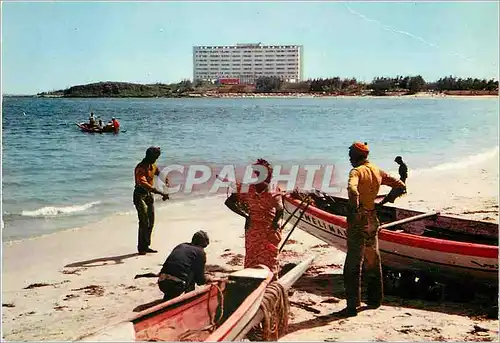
column 294, row 225
column 293, row 213
column 409, row 219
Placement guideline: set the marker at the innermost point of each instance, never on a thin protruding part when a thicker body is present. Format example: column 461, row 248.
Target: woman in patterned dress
column 263, row 212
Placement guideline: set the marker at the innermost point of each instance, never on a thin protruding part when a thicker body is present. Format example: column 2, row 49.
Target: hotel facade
column 244, row 63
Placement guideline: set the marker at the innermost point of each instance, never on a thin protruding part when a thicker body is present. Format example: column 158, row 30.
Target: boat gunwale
column 180, row 300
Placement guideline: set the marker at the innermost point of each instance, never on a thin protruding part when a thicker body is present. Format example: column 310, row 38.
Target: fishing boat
column 85, row 127
column 427, row 244
column 222, row 311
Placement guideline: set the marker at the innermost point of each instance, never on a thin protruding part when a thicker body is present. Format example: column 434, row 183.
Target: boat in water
column 85, row 127
column 428, row 244
column 222, row 311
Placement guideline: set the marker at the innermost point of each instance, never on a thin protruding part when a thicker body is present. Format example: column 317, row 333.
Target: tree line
column 379, row 85
column 124, row 90
column 269, row 84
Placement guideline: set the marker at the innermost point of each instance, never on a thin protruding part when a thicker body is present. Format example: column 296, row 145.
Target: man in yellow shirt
column 363, row 227
column 144, row 173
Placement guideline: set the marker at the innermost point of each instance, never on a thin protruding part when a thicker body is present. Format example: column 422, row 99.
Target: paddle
column 293, row 213
column 294, row 225
column 409, row 220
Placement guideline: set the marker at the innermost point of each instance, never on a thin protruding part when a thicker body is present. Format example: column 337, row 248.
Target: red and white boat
column 85, row 127
column 445, row 247
column 224, row 311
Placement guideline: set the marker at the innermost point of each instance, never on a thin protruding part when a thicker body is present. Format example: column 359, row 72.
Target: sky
column 54, row 45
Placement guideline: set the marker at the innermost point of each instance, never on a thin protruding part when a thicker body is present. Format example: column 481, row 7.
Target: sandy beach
column 68, row 284
column 394, row 95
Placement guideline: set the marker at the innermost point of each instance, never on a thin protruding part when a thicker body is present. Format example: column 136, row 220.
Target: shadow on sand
column 332, row 285
column 320, row 320
column 98, row 262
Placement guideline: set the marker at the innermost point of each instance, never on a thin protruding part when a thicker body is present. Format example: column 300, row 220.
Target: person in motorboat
column 113, row 124
column 363, row 227
column 185, row 267
column 116, row 124
column 91, row 120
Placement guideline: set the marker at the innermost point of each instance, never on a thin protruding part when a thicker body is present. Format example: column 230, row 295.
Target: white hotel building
column 248, row 62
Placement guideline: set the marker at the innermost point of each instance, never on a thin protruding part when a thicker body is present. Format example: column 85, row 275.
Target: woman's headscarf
column 267, row 165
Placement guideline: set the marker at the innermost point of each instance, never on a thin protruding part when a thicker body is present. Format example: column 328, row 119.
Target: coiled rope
column 275, row 306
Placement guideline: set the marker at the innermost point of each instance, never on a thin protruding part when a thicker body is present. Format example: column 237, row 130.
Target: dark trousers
column 362, row 247
column 144, row 204
column 172, row 289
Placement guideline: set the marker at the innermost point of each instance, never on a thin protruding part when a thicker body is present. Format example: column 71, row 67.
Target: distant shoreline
column 315, row 95
column 450, row 94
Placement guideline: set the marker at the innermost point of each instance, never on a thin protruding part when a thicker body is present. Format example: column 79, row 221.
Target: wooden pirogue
column 217, row 312
column 430, row 244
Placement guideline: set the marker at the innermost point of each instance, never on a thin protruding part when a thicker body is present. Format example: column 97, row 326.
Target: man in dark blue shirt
column 184, row 267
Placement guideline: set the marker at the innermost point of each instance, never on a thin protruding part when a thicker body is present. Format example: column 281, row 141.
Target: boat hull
column 443, row 259
column 86, row 128
column 191, row 316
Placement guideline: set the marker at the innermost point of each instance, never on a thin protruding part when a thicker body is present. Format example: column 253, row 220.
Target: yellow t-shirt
column 364, row 184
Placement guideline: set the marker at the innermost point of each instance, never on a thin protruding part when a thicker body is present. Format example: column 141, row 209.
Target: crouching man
column 184, row 267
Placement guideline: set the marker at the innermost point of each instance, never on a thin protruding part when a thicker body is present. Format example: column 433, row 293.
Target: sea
column 55, row 177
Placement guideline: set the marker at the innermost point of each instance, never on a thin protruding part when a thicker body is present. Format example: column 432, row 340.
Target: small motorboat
column 85, row 127
column 427, row 244
column 222, row 311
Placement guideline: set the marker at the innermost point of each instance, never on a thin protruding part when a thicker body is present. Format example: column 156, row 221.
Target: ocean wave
column 52, row 211
column 461, row 163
